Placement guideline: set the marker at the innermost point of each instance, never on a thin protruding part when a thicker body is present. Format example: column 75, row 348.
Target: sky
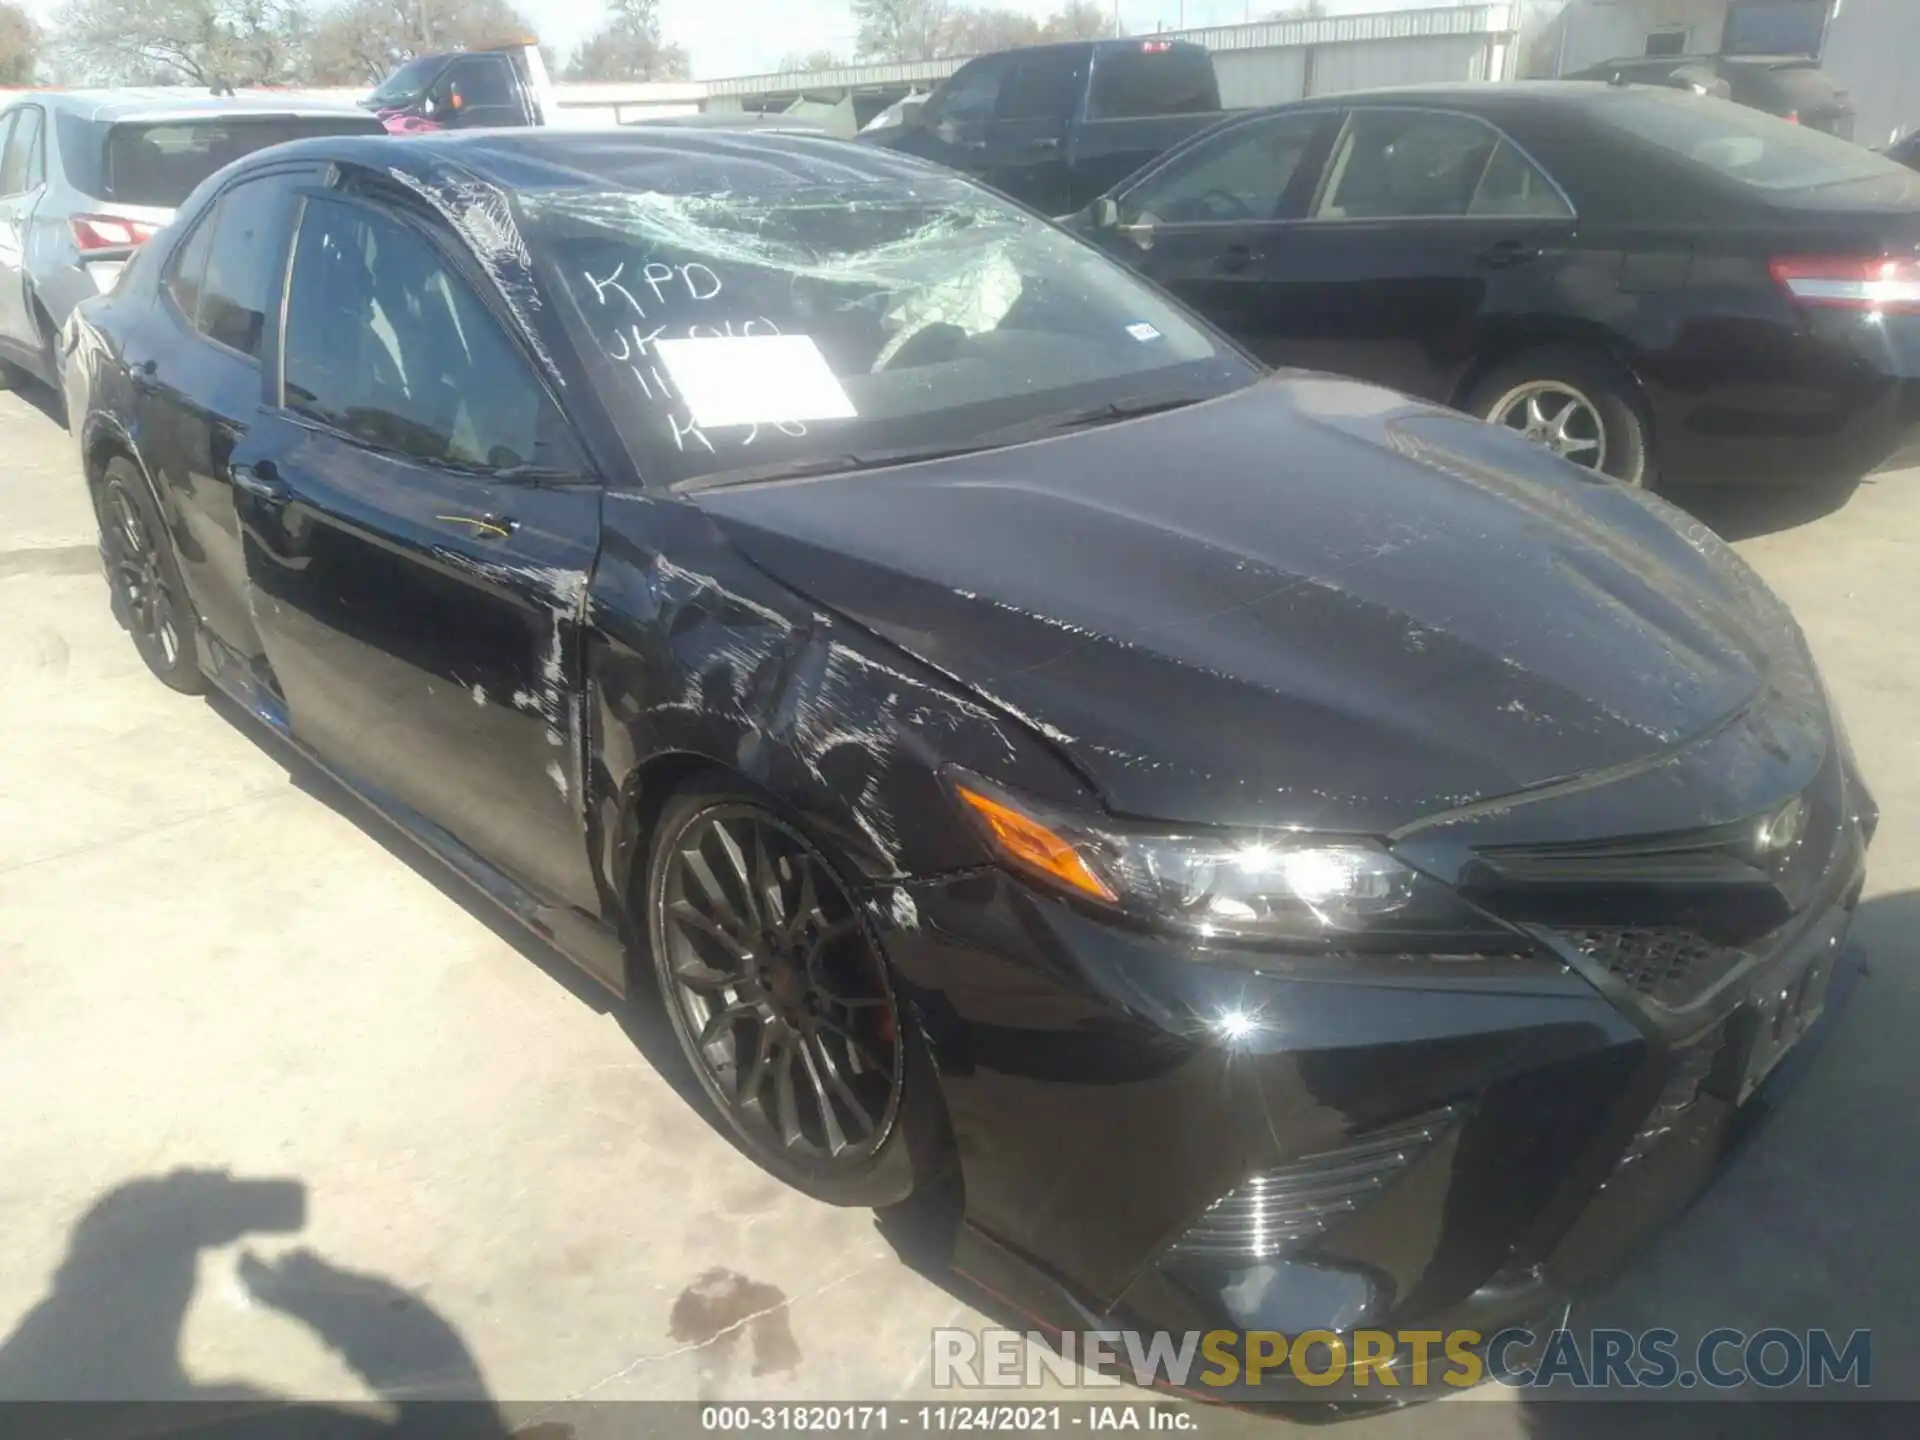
column 749, row 37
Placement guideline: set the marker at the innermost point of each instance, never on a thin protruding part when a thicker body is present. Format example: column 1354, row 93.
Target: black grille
column 1669, row 966
column 1276, row 1209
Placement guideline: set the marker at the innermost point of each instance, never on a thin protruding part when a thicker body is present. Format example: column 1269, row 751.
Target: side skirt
column 596, row 947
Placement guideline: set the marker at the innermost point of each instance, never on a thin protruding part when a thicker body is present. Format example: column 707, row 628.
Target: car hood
column 1311, row 603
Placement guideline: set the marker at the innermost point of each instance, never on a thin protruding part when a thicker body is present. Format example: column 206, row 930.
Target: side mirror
column 911, row 108
column 1106, row 213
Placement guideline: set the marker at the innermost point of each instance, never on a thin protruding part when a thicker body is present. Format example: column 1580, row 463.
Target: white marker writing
column 686, row 273
column 680, row 434
column 612, row 282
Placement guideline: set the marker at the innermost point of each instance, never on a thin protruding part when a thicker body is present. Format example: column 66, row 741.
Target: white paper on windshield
column 754, row 379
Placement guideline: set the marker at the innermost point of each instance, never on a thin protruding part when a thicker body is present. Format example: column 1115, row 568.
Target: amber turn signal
column 1028, row 843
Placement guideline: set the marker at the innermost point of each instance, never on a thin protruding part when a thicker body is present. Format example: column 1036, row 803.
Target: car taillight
column 1881, row 285
column 1792, row 117
column 110, row 232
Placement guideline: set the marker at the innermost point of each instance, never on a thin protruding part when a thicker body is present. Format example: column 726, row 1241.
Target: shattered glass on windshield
column 939, row 310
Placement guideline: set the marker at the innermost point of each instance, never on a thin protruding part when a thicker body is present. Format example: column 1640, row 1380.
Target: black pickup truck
column 1057, row 125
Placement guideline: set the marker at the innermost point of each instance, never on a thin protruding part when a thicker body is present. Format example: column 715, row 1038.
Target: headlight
column 1290, row 888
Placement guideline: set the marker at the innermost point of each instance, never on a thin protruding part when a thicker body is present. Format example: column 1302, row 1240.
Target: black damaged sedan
column 1300, row 857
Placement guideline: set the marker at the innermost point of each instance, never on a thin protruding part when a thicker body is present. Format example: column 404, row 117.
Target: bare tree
column 19, row 45
column 795, row 61
column 1080, row 20
column 181, row 41
column 361, row 41
column 628, row 47
column 904, row 29
column 978, row 32
column 1302, row 10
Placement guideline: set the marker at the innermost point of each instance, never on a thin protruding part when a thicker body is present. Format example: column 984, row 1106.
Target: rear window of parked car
column 161, row 162
column 1754, row 149
column 1155, row 79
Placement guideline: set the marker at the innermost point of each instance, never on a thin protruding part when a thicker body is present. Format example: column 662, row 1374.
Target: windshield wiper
column 837, row 464
column 1037, row 428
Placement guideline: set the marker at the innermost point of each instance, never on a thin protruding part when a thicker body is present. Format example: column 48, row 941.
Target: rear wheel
column 1576, row 403
column 784, row 1005
column 144, row 578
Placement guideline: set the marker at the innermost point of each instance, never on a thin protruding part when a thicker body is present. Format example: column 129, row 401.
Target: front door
column 420, row 534
column 1205, row 224
column 1429, row 230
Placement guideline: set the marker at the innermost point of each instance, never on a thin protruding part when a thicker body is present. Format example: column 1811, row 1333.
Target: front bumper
column 1151, row 1143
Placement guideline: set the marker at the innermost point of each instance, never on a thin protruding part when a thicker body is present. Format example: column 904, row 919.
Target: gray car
column 88, row 176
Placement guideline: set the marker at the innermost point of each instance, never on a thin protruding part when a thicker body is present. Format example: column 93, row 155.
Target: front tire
column 1575, row 402
column 149, row 598
column 784, row 1005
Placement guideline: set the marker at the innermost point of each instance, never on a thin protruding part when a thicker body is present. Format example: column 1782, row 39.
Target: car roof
column 162, row 102
column 625, row 157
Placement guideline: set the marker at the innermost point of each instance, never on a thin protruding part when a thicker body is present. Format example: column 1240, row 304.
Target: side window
column 1240, row 174
column 478, row 81
column 972, row 96
column 19, row 161
column 1039, row 85
column 386, row 343
column 247, row 260
column 188, row 265
column 1514, row 187
column 1396, row 164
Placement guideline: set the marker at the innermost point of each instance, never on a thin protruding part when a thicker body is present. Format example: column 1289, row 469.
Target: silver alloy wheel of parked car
column 1554, row 414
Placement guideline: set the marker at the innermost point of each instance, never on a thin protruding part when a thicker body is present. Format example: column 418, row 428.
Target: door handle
column 1236, row 259
column 1044, row 142
column 1505, row 254
column 262, row 481
column 485, row 527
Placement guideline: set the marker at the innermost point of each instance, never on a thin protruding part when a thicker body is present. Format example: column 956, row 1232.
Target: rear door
column 23, row 174
column 1429, row 227
column 1204, row 224
column 196, row 368
column 420, row 531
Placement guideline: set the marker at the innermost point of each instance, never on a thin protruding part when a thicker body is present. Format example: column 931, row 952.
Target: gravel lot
column 212, row 961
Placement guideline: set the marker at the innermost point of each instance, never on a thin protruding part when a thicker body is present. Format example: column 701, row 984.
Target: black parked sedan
column 1654, row 284
column 1303, row 857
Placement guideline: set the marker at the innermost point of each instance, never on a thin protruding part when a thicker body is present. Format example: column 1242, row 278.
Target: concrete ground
column 283, row 1110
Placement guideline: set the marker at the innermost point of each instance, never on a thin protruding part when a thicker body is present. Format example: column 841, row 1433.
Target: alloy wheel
column 778, row 989
column 143, row 597
column 1554, row 414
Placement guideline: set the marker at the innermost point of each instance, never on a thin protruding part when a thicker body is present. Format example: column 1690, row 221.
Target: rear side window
column 161, row 163
column 246, row 260
column 188, row 267
column 386, row 342
column 1740, row 143
column 1396, row 164
column 1154, row 78
column 1512, row 186
column 1040, row 85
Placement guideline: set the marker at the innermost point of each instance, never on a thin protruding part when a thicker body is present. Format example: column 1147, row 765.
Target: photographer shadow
column 99, row 1355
